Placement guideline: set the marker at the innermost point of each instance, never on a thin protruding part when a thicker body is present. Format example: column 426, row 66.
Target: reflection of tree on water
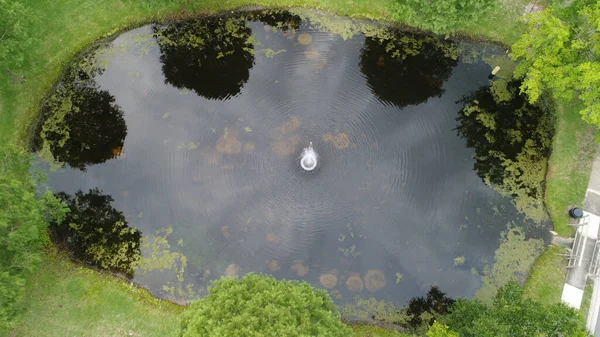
column 82, row 124
column 210, row 56
column 407, row 69
column 283, row 20
column 512, row 141
column 96, row 233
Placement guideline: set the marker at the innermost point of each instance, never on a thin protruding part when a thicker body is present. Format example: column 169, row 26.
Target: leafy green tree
column 442, row 16
column 23, row 230
column 96, row 233
column 511, row 315
column 15, row 20
column 259, row 305
column 560, row 52
column 439, row 330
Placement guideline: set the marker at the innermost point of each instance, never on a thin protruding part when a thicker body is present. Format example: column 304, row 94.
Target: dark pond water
column 194, row 130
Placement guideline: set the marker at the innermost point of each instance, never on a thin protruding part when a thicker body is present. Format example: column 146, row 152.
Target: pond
column 191, row 132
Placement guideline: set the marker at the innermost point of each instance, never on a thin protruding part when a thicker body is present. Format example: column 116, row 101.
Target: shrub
column 259, row 305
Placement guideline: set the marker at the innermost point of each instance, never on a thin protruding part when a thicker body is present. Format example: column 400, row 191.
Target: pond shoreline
column 25, row 106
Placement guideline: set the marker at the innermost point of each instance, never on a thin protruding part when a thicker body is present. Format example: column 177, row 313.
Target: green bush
column 23, row 230
column 442, row 16
column 259, row 305
column 511, row 315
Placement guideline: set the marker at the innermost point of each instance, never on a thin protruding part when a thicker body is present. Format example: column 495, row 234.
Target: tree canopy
column 23, row 223
column 258, row 305
column 512, row 315
column 560, row 51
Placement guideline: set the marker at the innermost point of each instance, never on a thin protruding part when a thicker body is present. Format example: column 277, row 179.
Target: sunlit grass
column 547, row 277
column 570, row 164
column 373, row 331
column 65, row 299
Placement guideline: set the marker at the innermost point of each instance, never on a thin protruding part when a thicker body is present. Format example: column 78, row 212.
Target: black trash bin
column 576, row 213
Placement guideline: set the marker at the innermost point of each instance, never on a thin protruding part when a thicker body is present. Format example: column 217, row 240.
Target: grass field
column 570, row 164
column 547, row 277
column 68, row 300
column 65, row 299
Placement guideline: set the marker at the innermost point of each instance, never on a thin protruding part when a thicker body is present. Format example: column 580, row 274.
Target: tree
column 442, row 16
column 96, row 233
column 511, row 315
column 560, row 52
column 259, row 305
column 439, row 330
column 211, row 56
column 407, row 68
column 23, row 230
column 14, row 32
column 436, row 303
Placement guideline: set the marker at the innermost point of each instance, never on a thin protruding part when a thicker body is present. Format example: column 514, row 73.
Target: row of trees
column 259, row 305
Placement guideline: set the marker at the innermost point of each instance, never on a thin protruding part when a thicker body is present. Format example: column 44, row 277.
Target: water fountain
column 308, row 160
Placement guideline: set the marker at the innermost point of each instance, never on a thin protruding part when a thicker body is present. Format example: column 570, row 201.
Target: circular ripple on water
column 225, row 174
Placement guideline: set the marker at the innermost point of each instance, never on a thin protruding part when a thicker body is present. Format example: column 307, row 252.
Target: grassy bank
column 65, row 299
column 570, row 164
column 547, row 277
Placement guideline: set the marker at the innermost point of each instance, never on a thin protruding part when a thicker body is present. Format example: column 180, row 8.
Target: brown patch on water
column 305, row 39
column 273, row 238
column 249, row 147
column 225, row 231
column 273, row 265
column 374, row 280
column 228, row 143
column 300, row 268
column 285, row 141
column 340, row 140
column 328, row 280
column 354, row 282
column 232, row 270
column 311, row 54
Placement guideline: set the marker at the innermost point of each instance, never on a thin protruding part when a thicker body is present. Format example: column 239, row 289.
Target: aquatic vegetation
column 512, row 142
column 281, row 19
column 374, row 280
column 228, row 143
column 96, row 233
column 270, row 53
column 305, row 39
column 157, row 255
column 300, row 268
column 328, row 280
column 349, row 251
column 340, row 140
column 232, row 271
column 398, row 277
column 211, row 56
column 459, row 260
column 513, row 259
column 354, row 282
column 408, row 68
